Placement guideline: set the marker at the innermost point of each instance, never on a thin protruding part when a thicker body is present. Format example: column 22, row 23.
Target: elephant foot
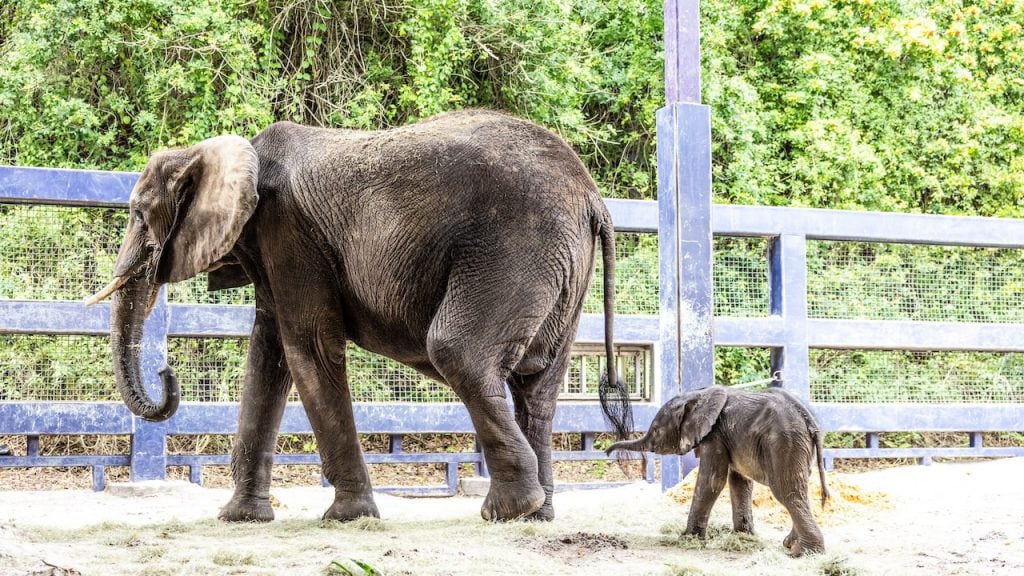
column 247, row 509
column 513, row 500
column 797, row 548
column 698, row 531
column 349, row 507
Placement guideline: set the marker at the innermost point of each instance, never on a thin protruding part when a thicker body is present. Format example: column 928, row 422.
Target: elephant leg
column 476, row 362
column 711, row 476
column 805, row 535
column 263, row 400
column 534, row 398
column 741, row 492
column 316, row 359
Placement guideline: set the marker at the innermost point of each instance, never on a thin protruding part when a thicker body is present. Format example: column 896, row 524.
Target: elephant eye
column 137, row 215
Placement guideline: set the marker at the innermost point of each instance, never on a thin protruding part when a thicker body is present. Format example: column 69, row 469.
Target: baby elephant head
column 680, row 424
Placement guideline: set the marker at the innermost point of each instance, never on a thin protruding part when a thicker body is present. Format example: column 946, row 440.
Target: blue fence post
column 787, row 298
column 684, row 226
column 149, row 439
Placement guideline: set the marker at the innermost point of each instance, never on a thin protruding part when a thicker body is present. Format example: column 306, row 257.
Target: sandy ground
column 957, row 518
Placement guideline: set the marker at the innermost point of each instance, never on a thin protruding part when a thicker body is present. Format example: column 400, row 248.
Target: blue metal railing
column 148, row 458
column 787, row 331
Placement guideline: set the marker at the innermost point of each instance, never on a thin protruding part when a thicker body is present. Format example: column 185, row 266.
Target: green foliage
column 887, row 105
column 908, row 105
column 100, row 84
column 351, row 567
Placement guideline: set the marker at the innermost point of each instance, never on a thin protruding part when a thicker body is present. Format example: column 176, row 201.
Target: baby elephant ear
column 701, row 414
column 212, row 206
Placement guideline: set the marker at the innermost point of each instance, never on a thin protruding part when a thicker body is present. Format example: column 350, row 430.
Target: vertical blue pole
column 149, row 440
column 684, row 203
column 787, row 296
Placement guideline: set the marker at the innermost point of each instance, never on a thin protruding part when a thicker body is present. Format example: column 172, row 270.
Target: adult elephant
column 461, row 246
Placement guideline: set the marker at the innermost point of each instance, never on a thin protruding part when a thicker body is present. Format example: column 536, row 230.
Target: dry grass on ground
column 956, row 519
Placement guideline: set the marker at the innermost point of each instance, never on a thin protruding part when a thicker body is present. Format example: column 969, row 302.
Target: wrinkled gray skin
column 766, row 436
column 461, row 246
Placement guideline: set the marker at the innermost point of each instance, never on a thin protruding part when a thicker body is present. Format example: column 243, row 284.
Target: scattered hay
column 718, row 537
column 838, row 566
column 847, row 500
column 233, row 558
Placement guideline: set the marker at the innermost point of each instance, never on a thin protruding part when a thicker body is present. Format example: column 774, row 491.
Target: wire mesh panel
column 57, row 253
column 587, row 365
column 636, row 276
column 193, row 291
column 741, row 365
column 56, row 368
column 741, row 276
column 374, row 378
column 213, row 370
column 853, row 376
column 904, row 282
column 209, row 369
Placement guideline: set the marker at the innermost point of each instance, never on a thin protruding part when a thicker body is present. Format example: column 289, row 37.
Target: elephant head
column 680, row 424
column 187, row 210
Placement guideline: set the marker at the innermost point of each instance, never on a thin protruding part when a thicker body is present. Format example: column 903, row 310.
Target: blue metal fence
column 683, row 362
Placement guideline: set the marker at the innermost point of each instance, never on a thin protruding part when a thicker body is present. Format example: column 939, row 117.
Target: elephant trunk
column 129, row 307
column 638, row 445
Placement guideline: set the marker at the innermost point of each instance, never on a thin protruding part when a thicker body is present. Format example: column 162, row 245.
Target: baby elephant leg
column 805, row 535
column 711, row 476
column 741, row 492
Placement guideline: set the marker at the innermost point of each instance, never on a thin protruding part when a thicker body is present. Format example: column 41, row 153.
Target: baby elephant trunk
column 639, row 445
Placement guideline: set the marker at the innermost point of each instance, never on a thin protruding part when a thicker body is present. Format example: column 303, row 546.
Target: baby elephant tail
column 818, row 447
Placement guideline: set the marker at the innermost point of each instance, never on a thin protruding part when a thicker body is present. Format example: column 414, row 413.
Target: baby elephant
column 767, row 436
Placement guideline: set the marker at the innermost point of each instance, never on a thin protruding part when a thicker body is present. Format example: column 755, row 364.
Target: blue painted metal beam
column 818, row 224
column 760, row 332
column 787, row 296
column 890, row 335
column 64, row 418
column 684, row 197
column 633, row 215
column 53, row 461
column 65, row 187
column 45, row 317
column 201, row 320
column 682, row 51
column 924, row 452
column 628, row 329
column 396, row 418
column 890, row 417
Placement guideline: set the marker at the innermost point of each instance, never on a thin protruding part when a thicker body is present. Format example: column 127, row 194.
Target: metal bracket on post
column 684, row 221
column 149, row 440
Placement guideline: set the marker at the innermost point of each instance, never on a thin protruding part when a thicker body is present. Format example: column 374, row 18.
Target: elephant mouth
column 143, row 270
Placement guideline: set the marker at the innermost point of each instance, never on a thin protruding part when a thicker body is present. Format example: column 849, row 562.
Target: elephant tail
column 819, row 449
column 612, row 390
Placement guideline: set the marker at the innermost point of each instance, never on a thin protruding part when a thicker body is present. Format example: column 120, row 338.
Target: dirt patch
column 580, row 545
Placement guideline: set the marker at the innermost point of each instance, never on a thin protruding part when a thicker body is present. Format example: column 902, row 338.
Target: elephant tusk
column 106, row 291
column 152, row 299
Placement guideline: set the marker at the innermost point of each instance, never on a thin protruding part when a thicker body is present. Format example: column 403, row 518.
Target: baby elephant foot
column 247, row 509
column 797, row 548
column 513, row 500
column 698, row 531
column 349, row 507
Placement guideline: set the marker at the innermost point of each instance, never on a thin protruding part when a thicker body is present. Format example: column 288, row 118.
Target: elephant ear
column 701, row 414
column 214, row 194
